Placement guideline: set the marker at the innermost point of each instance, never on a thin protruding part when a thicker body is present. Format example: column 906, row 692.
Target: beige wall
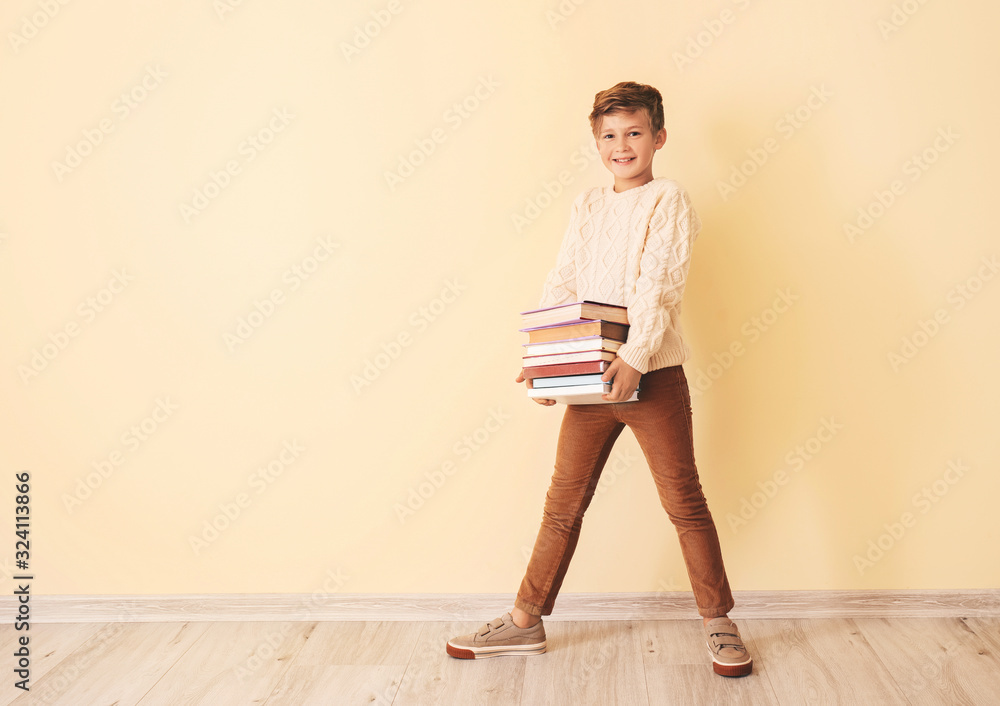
column 123, row 292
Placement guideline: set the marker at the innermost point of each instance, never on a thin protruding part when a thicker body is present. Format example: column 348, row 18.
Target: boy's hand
column 626, row 379
column 520, row 378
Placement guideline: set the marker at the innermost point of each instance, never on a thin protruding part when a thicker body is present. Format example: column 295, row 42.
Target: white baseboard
column 660, row 605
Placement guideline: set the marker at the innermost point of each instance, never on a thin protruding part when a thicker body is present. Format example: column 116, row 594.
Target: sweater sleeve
column 560, row 284
column 663, row 268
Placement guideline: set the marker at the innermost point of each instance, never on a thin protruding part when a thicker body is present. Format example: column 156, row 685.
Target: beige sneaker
column 499, row 637
column 729, row 655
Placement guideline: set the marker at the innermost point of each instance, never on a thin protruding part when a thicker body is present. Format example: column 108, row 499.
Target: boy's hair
column 626, row 97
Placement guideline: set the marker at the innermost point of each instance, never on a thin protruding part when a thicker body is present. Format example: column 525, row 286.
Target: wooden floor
column 865, row 661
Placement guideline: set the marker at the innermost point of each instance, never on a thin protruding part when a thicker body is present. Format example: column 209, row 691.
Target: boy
column 627, row 244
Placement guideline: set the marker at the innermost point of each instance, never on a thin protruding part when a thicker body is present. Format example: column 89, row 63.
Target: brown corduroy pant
column 661, row 422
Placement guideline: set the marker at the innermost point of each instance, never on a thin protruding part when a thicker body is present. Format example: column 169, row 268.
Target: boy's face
column 627, row 146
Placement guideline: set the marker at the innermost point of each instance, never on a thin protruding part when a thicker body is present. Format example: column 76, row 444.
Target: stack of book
column 570, row 347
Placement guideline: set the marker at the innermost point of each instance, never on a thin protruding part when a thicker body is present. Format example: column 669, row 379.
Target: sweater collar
column 610, row 192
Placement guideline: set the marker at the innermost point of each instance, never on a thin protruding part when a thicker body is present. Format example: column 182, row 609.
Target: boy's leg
column 661, row 422
column 587, row 434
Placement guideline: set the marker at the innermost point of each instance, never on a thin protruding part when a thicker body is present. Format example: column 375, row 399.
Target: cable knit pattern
column 632, row 249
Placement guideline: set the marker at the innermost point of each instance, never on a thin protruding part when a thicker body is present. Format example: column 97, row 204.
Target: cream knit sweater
column 632, row 249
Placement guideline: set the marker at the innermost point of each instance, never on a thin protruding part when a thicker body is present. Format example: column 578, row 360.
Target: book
column 577, row 394
column 575, row 310
column 567, row 380
column 581, row 357
column 577, row 328
column 541, row 371
column 572, row 345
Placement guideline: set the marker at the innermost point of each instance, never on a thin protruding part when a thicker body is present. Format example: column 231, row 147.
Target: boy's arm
column 663, row 268
column 560, row 284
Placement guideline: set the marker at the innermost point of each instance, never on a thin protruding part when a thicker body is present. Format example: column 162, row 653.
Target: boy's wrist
column 634, row 357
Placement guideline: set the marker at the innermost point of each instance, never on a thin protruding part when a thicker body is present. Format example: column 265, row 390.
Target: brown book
column 578, row 329
column 575, row 310
column 547, row 371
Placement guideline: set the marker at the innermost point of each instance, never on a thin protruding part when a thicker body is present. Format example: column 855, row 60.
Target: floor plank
column 340, row 684
column 360, row 643
column 48, row 645
column 116, row 665
column 695, row 685
column 432, row 677
column 987, row 628
column 936, row 660
column 822, row 662
column 876, row 660
column 679, row 670
column 231, row 663
column 595, row 662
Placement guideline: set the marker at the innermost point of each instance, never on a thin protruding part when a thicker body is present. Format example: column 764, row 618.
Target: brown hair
column 626, row 97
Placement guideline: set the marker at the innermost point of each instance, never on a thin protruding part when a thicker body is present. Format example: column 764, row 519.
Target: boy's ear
column 661, row 138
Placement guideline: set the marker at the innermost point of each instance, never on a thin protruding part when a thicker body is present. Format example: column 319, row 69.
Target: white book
column 571, row 345
column 577, row 394
column 567, row 380
column 530, row 361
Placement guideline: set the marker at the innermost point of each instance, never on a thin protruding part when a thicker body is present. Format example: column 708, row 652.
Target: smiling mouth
column 624, row 160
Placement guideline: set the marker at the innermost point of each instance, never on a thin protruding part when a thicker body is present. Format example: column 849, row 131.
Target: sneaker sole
column 498, row 651
column 731, row 670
